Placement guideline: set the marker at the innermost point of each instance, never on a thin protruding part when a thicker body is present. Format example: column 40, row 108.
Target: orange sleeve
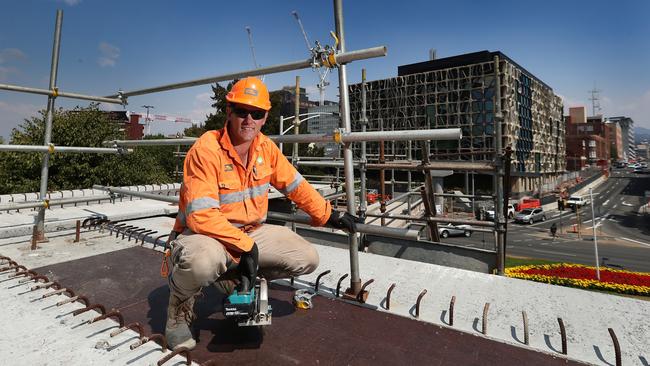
column 201, row 196
column 291, row 183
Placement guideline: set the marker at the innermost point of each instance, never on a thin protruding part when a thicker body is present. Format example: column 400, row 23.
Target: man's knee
column 201, row 260
column 309, row 261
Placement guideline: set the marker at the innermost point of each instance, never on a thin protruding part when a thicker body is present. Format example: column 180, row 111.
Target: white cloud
column 13, row 114
column 109, row 54
column 11, row 54
column 201, row 107
column 638, row 108
column 71, row 2
column 6, row 71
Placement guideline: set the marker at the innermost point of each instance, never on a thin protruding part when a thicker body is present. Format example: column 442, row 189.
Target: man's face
column 244, row 122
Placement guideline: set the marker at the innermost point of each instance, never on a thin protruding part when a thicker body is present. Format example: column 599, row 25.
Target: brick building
column 587, row 140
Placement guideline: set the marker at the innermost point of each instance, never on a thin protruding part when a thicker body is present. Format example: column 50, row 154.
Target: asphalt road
column 623, row 234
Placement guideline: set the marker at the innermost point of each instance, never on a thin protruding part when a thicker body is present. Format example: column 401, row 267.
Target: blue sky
column 126, row 44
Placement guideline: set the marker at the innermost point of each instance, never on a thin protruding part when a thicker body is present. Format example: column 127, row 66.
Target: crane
column 322, row 84
column 250, row 43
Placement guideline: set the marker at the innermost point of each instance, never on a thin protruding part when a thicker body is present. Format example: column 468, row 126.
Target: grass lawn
column 522, row 261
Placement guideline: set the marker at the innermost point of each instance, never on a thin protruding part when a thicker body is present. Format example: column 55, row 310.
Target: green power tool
column 249, row 308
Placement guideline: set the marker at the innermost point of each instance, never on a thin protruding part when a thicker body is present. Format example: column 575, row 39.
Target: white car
column 577, row 201
column 511, row 212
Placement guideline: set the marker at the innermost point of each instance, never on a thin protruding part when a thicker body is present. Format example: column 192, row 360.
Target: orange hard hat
column 250, row 91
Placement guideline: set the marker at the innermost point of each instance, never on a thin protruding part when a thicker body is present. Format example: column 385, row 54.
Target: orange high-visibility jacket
column 219, row 197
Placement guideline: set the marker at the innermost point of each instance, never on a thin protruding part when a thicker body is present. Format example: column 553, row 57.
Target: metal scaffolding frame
column 335, row 59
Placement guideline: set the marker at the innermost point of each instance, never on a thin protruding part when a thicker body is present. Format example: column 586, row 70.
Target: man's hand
column 344, row 221
column 248, row 269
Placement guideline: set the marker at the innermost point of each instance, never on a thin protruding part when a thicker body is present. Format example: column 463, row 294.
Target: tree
column 215, row 120
column 90, row 127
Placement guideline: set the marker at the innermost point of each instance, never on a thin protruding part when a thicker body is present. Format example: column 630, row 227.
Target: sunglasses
column 243, row 113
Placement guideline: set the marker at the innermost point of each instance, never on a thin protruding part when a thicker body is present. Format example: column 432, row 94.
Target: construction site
column 80, row 270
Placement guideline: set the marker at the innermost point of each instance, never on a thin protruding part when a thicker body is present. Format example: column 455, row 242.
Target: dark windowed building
column 459, row 91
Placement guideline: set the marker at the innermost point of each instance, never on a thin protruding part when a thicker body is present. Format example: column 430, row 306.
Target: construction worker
column 223, row 204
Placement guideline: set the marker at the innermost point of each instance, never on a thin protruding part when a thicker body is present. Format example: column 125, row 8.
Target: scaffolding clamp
column 50, row 148
column 325, row 56
column 55, row 92
column 122, row 97
column 338, row 133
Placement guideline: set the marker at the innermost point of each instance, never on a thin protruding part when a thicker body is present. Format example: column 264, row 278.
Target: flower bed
column 576, row 275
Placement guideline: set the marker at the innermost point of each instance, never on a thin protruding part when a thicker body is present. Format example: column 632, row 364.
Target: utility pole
column 595, row 100
column 593, row 221
column 146, row 119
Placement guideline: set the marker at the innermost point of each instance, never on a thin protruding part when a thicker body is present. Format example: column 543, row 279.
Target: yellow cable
column 336, row 39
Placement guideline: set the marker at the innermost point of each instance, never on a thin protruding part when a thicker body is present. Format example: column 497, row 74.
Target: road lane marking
column 627, row 204
column 606, row 202
column 636, row 241
column 551, row 252
column 616, row 205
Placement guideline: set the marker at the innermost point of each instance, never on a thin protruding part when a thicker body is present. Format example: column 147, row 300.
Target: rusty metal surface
column 333, row 332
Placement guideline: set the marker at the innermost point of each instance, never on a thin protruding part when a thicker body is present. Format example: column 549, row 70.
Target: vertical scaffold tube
column 39, row 231
column 355, row 280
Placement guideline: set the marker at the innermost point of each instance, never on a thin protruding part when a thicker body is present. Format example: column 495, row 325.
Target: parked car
column 450, row 229
column 490, row 213
column 530, row 215
column 577, row 201
column 639, row 169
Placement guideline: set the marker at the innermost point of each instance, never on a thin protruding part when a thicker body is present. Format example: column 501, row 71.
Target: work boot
column 180, row 314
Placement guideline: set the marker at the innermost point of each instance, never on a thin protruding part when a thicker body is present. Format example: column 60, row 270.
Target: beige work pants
column 199, row 260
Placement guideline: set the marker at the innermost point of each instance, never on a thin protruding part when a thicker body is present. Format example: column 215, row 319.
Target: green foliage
column 20, row 171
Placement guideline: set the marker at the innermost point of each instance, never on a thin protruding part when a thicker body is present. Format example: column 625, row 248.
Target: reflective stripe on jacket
column 219, row 197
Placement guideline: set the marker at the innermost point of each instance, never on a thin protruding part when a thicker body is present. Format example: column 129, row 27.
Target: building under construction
column 460, row 91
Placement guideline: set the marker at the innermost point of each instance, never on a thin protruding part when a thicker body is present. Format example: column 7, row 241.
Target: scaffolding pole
column 64, row 149
column 362, row 228
column 432, row 165
column 362, row 164
column 344, row 105
column 126, row 192
column 57, row 93
column 39, row 229
column 296, row 132
column 341, row 58
column 347, row 136
column 498, row 178
column 50, row 203
column 338, row 136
